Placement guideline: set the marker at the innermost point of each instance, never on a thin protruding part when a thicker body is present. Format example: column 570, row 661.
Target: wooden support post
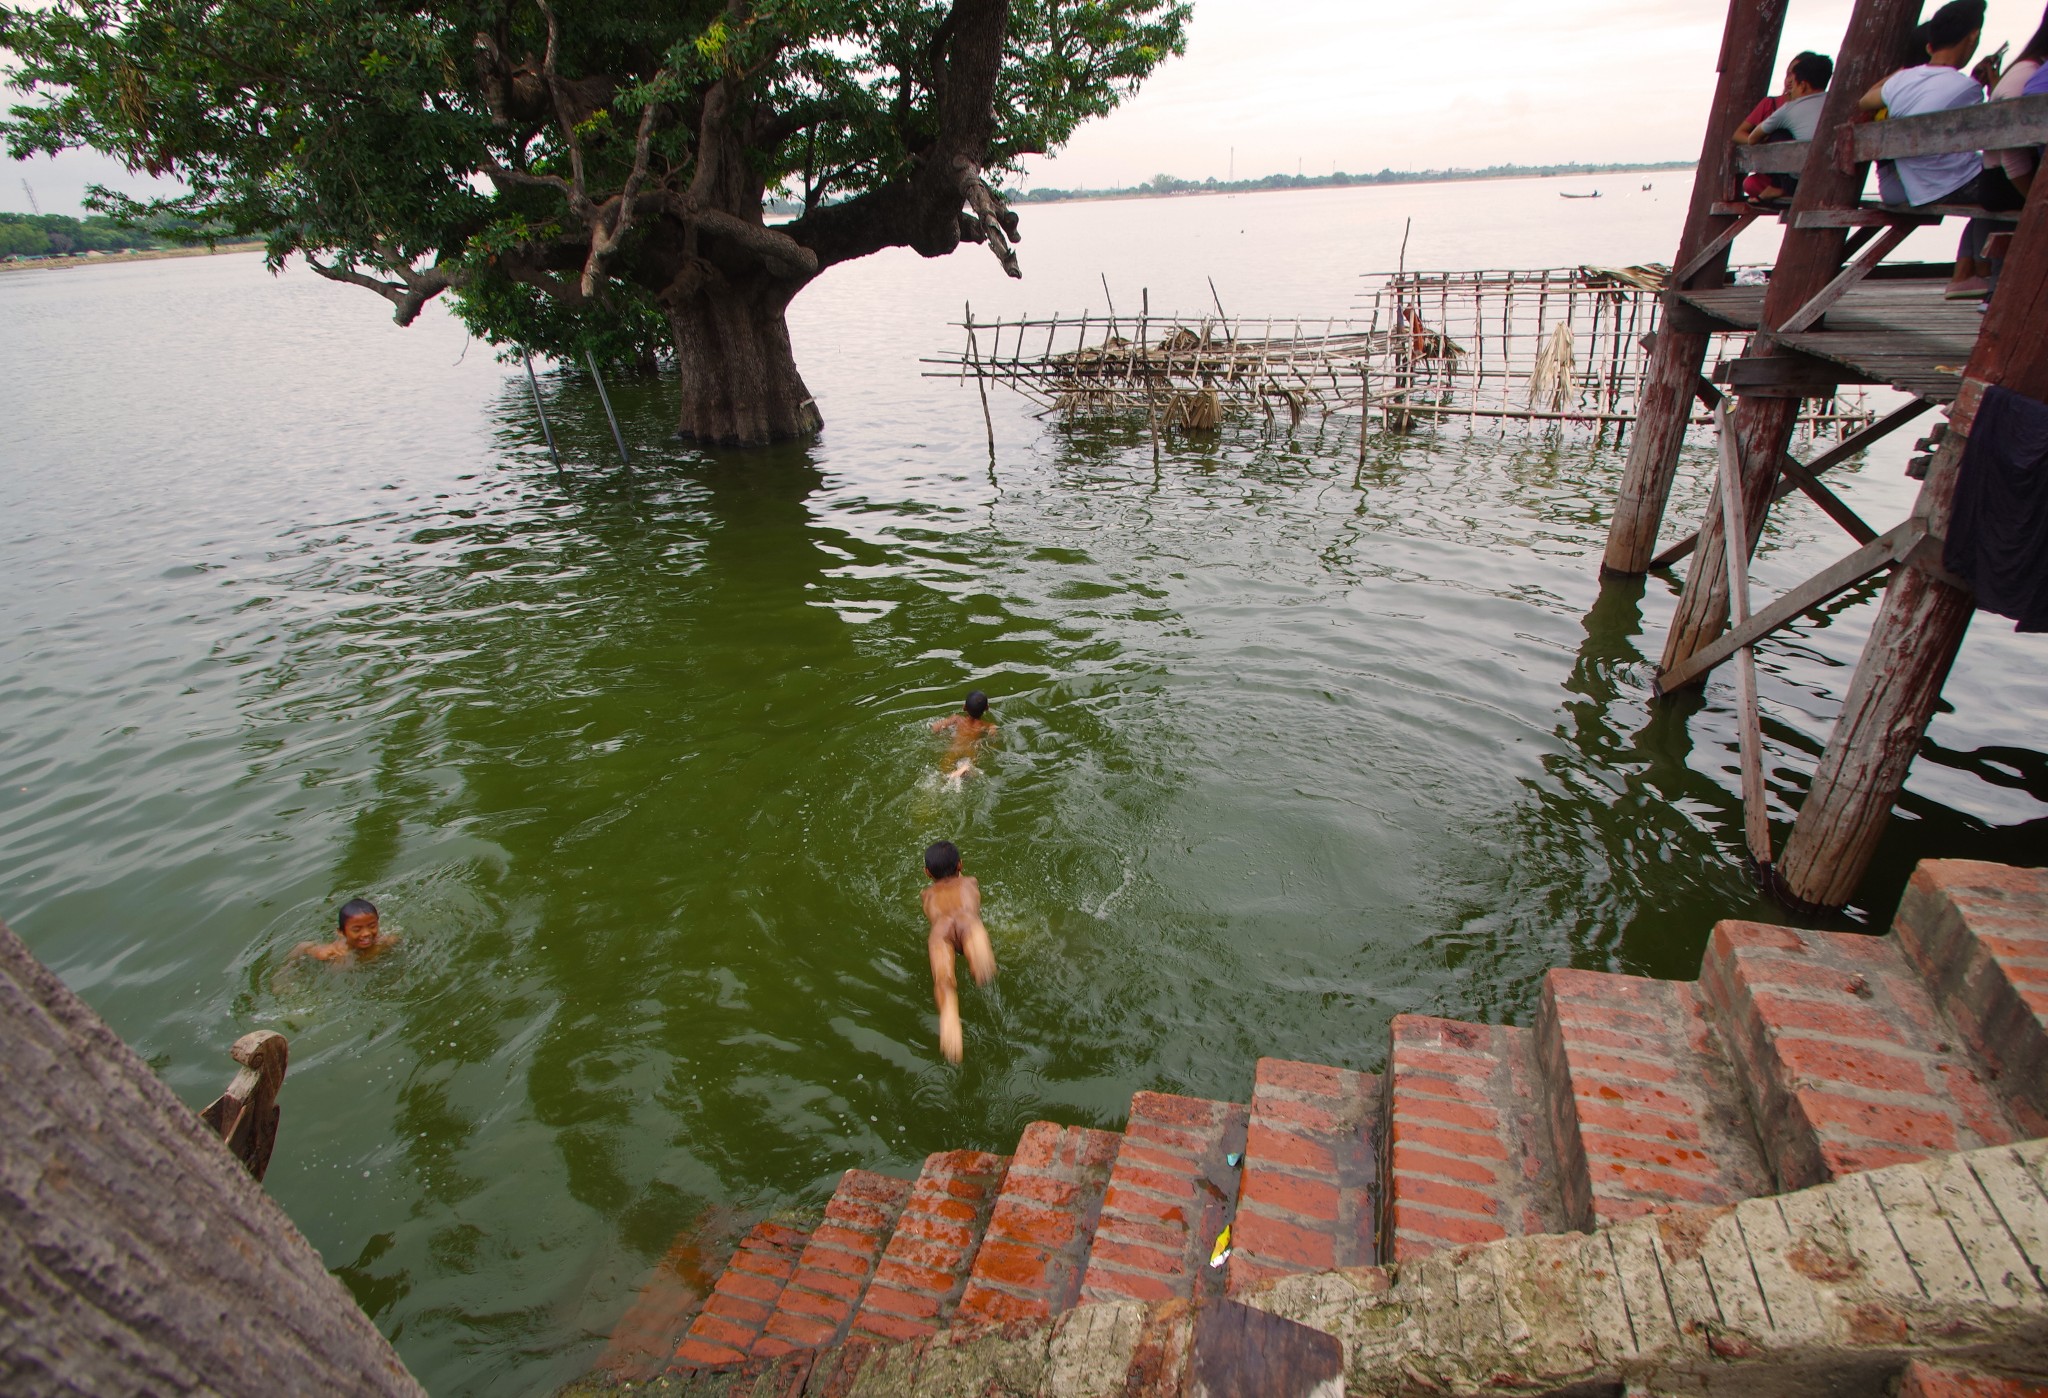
column 1920, row 626
column 1749, row 53
column 1808, row 260
column 140, row 1257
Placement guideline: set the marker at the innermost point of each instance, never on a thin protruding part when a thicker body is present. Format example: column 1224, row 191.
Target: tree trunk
column 740, row 385
column 137, row 1257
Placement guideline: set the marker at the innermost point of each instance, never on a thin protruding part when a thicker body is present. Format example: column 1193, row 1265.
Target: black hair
column 1952, row 23
column 977, row 703
column 355, row 907
column 942, row 860
column 1816, row 70
column 2037, row 47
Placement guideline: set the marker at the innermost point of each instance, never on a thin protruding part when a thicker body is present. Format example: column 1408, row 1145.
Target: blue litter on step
column 1232, row 1159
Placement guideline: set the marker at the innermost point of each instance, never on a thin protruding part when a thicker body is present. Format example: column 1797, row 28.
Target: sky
column 1273, row 86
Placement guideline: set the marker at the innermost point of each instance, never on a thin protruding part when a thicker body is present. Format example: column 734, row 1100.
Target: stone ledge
column 1836, row 1288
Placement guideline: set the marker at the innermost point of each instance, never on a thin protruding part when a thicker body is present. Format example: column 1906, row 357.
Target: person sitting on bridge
column 1796, row 119
column 2017, row 165
column 1957, row 177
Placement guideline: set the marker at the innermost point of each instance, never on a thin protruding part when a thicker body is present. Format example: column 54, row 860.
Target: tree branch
column 408, row 295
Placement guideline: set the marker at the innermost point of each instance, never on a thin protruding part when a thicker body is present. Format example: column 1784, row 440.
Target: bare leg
column 946, row 992
column 981, row 957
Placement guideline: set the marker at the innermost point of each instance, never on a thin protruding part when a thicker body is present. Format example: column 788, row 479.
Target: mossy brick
column 924, row 1268
column 1468, row 1094
column 1162, row 1210
column 1034, row 1253
column 1798, row 1009
column 1978, row 934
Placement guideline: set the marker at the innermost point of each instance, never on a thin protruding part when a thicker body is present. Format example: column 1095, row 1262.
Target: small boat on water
column 1594, row 195
column 1646, row 186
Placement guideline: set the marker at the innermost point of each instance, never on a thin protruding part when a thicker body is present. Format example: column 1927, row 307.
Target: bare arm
column 1873, row 100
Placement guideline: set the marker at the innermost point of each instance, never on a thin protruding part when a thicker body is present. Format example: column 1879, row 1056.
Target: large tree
column 588, row 175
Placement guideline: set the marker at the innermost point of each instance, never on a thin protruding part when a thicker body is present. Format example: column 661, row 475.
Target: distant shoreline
column 44, row 264
column 1315, row 184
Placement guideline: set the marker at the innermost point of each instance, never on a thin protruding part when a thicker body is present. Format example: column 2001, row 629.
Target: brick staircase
column 1797, row 1057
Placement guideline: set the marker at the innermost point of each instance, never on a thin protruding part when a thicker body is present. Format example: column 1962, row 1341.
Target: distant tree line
column 56, row 235
column 1173, row 184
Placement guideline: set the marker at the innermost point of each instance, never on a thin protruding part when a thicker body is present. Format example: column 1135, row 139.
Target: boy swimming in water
column 358, row 935
column 953, row 903
column 968, row 728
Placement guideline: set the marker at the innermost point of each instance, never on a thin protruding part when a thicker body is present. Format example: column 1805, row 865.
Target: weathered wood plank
column 1772, row 158
column 2022, row 121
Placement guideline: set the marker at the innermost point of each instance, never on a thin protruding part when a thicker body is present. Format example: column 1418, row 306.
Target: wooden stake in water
column 605, row 398
column 1756, row 819
column 540, row 412
column 981, row 382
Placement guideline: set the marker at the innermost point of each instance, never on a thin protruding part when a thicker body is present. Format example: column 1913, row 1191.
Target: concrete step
column 744, row 1296
column 1466, row 1152
column 1169, row 1195
column 1978, row 935
column 822, row 1294
column 925, row 1266
column 1846, row 1061
column 1311, row 1169
column 1645, row 1109
column 1036, row 1248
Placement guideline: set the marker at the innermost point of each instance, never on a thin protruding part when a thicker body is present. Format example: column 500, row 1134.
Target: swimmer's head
column 977, row 704
column 358, row 920
column 942, row 860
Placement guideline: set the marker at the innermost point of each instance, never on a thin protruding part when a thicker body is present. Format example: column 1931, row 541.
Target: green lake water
column 636, row 763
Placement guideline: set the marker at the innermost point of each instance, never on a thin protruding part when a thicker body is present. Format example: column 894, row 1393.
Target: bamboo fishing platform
column 1550, row 345
column 1831, row 313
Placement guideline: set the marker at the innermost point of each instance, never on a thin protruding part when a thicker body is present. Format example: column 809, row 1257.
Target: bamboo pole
column 1755, row 814
column 981, row 382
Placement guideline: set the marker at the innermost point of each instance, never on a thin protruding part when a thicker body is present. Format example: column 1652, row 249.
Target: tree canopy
column 587, row 177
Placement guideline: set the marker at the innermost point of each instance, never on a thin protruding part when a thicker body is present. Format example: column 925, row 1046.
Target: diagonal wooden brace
column 1880, row 553
column 1832, row 457
column 1855, row 272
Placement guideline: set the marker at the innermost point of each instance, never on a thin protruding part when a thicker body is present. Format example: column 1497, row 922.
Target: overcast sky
column 1359, row 85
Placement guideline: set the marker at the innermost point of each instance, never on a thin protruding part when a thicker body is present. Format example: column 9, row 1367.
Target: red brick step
column 925, row 1266
column 743, row 1297
column 818, row 1302
column 1978, row 934
column 1310, row 1173
column 1169, row 1195
column 1466, row 1157
column 1645, row 1110
column 1030, row 1263
column 1847, row 1063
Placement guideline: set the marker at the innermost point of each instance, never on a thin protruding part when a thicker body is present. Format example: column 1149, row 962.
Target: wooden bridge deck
column 1900, row 333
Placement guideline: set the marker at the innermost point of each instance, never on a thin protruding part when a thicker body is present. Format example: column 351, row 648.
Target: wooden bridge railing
column 2021, row 121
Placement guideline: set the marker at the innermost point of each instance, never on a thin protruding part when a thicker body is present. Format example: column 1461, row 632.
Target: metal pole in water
column 605, row 398
column 545, row 430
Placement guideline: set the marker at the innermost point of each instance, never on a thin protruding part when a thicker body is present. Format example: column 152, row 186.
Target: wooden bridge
column 1833, row 313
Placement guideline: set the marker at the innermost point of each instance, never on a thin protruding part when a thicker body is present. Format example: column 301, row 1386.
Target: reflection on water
column 1293, row 738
